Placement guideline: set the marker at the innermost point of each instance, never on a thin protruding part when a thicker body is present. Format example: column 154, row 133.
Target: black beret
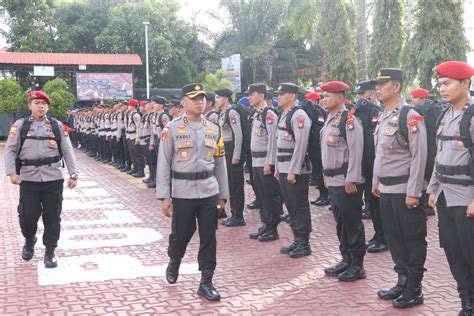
column 287, row 87
column 227, row 93
column 158, row 99
column 257, row 87
column 365, row 86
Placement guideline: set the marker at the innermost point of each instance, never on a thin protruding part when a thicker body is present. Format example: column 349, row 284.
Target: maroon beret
column 36, row 94
column 312, row 96
column 335, row 86
column 455, row 69
column 132, row 102
column 420, row 93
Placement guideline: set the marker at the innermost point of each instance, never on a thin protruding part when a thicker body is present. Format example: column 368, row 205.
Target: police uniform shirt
column 452, row 153
column 37, row 149
column 336, row 151
column 394, row 157
column 294, row 146
column 263, row 140
column 190, row 147
column 232, row 132
column 133, row 125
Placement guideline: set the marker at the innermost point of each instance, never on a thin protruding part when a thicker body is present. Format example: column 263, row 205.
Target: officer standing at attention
column 398, row 180
column 451, row 186
column 192, row 171
column 33, row 153
column 342, row 144
column 293, row 168
column 263, row 149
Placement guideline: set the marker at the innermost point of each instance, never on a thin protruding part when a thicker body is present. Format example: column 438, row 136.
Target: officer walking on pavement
column 192, row 172
column 293, row 168
column 400, row 159
column 33, row 153
column 451, row 186
column 342, row 144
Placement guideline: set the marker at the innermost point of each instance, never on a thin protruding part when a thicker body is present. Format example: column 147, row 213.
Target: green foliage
column 12, row 97
column 339, row 48
column 61, row 99
column 214, row 81
column 438, row 37
column 388, row 36
column 303, row 17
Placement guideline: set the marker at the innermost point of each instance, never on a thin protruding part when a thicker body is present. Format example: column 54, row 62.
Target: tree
column 61, row 99
column 388, row 36
column 339, row 48
column 438, row 36
column 361, row 39
column 12, row 97
column 214, row 81
column 303, row 17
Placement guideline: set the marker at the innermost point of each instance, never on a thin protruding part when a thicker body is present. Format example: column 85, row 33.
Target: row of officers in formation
column 402, row 160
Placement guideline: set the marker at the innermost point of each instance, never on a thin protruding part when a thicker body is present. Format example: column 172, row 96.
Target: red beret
column 334, row 86
column 347, row 102
column 132, row 102
column 455, row 69
column 35, row 94
column 312, row 96
column 142, row 103
column 420, row 93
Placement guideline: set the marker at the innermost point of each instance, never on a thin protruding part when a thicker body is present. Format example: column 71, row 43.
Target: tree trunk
column 361, row 40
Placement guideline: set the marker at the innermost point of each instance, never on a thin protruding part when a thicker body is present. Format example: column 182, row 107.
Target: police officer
column 158, row 120
column 451, row 186
column 133, row 142
column 33, row 154
column 192, row 171
column 368, row 109
column 398, row 180
column 342, row 143
column 293, row 168
column 229, row 120
column 263, row 149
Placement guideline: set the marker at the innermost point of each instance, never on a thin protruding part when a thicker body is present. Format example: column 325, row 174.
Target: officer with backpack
column 451, row 187
column 400, row 160
column 231, row 121
column 293, row 168
column 33, row 153
column 342, row 148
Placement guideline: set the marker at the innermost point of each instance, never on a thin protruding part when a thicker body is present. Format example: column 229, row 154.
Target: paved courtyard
column 112, row 257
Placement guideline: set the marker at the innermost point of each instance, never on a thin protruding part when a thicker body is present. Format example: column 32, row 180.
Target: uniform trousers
column 268, row 188
column 235, row 175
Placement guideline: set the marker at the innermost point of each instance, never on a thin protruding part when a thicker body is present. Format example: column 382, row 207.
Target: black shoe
column 139, row 174
column 370, row 243
column 260, row 231
column 172, row 271
column 206, row 288
column 234, row 222
column 466, row 305
column 428, row 210
column 49, row 258
column 269, row 235
column 254, row 205
column 352, row 273
column 409, row 298
column 131, row 171
column 222, row 214
column 338, row 268
column 28, row 250
column 151, row 185
column 147, row 180
column 394, row 292
column 366, row 213
column 316, row 200
column 323, row 201
column 377, row 247
column 302, row 250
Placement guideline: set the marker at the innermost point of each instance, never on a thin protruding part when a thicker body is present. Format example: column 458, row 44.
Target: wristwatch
column 73, row 176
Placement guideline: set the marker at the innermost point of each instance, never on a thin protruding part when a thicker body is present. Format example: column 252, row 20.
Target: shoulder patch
column 13, row 131
column 270, row 118
column 300, row 119
column 412, row 122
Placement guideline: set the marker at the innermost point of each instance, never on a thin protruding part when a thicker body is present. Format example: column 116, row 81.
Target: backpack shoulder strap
column 342, row 123
column 264, row 117
column 288, row 118
column 57, row 134
column 464, row 126
column 441, row 116
column 25, row 126
column 402, row 121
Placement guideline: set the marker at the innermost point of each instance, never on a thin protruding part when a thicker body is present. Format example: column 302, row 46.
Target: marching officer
column 263, row 149
column 293, row 168
column 451, row 186
column 342, row 143
column 192, row 171
column 400, row 160
column 33, row 153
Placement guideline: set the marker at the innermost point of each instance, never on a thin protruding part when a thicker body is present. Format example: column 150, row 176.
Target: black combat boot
column 151, row 185
column 340, row 267
column 172, row 271
column 303, row 248
column 28, row 250
column 396, row 291
column 206, row 288
column 286, row 250
column 254, row 205
column 260, row 231
column 139, row 174
column 269, row 235
column 466, row 305
column 413, row 293
column 49, row 258
column 355, row 271
column 237, row 219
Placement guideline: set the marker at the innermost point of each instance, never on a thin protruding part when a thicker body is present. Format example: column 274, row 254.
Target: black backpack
column 208, row 114
column 368, row 113
column 245, row 114
column 318, row 116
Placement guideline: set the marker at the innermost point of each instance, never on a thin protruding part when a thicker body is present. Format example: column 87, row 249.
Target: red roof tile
column 69, row 59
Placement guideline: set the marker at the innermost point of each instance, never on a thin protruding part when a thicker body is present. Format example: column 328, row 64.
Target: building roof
column 69, row 59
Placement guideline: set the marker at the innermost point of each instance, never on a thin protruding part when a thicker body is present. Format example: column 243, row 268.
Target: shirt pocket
column 335, row 142
column 183, row 149
column 210, row 147
column 387, row 136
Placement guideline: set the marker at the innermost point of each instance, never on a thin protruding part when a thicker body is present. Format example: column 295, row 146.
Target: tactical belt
column 286, row 150
column 452, row 170
column 444, row 137
column 394, row 180
column 145, row 137
column 448, row 180
column 284, row 158
column 131, row 132
column 192, row 175
column 113, row 129
column 40, row 162
column 336, row 171
column 259, row 154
